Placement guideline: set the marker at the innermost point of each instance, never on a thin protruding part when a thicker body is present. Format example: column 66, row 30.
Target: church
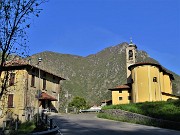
column 145, row 82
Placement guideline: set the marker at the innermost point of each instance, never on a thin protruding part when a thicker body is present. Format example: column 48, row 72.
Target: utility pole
column 38, row 91
column 67, row 95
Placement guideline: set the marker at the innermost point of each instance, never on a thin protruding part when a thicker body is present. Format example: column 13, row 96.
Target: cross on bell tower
column 130, row 58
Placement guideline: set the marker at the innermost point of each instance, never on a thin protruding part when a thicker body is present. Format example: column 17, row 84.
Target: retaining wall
column 141, row 119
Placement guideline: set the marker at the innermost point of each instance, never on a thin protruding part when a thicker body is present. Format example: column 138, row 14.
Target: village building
column 29, row 89
column 145, row 82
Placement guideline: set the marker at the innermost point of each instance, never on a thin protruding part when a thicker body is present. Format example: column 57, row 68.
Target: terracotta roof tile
column 110, row 100
column 124, row 86
column 21, row 63
column 45, row 96
column 15, row 62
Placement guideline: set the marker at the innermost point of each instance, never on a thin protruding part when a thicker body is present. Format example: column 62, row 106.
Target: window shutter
column 44, row 83
column 10, row 100
column 33, row 80
column 12, row 78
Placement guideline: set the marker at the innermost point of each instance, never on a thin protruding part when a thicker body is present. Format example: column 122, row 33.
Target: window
column 11, row 79
column 132, row 81
column 10, row 100
column 130, row 54
column 120, row 98
column 154, row 79
column 44, row 83
column 33, row 80
column 120, row 91
column 129, row 91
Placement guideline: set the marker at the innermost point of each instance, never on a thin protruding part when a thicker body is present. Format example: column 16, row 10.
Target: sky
column 84, row 27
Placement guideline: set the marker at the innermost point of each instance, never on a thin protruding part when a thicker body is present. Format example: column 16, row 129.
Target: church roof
column 20, row 63
column 152, row 64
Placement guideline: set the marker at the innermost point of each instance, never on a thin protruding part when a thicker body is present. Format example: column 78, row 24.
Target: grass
column 24, row 128
column 28, row 127
column 166, row 110
column 124, row 119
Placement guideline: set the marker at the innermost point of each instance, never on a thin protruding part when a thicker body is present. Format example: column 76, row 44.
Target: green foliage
column 124, row 119
column 107, row 116
column 24, row 128
column 78, row 102
column 15, row 18
column 163, row 110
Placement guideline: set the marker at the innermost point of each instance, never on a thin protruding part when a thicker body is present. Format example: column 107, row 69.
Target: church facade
column 145, row 82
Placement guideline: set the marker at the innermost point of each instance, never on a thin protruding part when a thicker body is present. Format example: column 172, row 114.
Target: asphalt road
column 89, row 124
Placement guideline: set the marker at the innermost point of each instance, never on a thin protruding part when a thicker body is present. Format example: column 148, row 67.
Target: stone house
column 29, row 89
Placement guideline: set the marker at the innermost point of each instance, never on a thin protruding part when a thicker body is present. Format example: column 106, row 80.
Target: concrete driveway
column 89, row 124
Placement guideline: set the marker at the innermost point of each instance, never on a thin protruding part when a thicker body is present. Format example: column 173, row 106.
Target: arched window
column 130, row 54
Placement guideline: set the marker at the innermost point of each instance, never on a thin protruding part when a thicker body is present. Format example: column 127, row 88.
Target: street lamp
column 39, row 60
column 38, row 92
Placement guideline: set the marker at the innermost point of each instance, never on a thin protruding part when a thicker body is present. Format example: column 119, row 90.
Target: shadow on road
column 80, row 125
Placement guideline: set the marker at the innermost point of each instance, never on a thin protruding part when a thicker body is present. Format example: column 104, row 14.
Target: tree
column 78, row 102
column 15, row 18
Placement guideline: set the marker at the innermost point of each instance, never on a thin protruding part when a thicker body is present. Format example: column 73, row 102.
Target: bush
column 78, row 102
column 24, row 128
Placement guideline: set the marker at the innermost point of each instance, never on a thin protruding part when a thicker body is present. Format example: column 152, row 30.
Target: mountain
column 91, row 77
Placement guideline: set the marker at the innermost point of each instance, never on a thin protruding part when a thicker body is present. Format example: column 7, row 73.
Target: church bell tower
column 130, row 58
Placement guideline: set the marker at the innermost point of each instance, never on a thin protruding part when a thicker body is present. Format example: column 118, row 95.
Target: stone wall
column 138, row 118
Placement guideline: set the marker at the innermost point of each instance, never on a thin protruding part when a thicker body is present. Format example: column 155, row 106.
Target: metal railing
column 52, row 126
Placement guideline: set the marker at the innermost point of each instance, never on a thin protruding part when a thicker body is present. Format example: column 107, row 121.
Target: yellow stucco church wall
column 141, row 84
column 162, row 81
column 147, row 83
column 167, row 84
column 154, row 80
